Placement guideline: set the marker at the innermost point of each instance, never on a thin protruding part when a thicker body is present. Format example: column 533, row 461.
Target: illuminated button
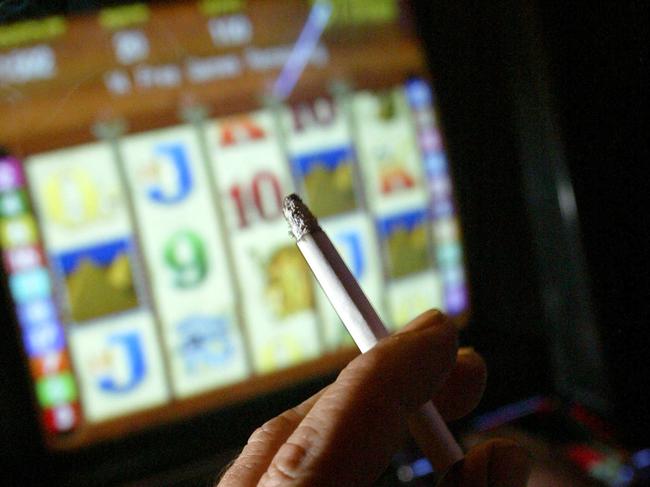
column 22, row 258
column 13, row 203
column 117, row 82
column 449, row 254
column 27, row 64
column 17, row 232
column 35, row 312
column 442, row 209
column 56, row 389
column 440, row 188
column 43, row 338
column 446, row 230
column 453, row 275
column 430, row 140
column 11, row 175
column 50, row 363
column 435, row 164
column 61, row 418
column 230, row 30
column 28, row 285
column 130, row 46
column 456, row 299
column 418, row 93
column 424, row 118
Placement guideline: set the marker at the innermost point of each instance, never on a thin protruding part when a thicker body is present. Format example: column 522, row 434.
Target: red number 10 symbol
column 320, row 112
column 262, row 199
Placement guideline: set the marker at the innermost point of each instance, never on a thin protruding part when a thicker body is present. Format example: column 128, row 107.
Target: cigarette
column 363, row 323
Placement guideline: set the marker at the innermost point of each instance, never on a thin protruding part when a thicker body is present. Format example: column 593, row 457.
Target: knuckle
column 292, row 460
column 276, row 427
column 307, row 435
column 288, row 464
column 260, row 435
column 291, row 417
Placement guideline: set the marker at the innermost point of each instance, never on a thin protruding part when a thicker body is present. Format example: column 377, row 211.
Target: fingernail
column 424, row 321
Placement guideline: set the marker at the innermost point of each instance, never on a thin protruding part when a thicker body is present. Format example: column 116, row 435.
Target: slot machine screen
column 145, row 152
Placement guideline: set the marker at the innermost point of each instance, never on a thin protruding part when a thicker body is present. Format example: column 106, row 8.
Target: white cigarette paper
column 360, row 318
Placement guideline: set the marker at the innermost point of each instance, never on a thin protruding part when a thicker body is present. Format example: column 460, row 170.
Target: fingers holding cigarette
column 347, row 433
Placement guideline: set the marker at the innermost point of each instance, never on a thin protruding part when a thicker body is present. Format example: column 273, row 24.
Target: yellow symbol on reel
column 409, row 308
column 288, row 287
column 72, row 198
column 279, row 353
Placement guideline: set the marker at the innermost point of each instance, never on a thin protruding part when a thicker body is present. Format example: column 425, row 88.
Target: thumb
column 499, row 462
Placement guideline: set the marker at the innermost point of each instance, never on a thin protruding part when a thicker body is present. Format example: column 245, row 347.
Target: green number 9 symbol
column 185, row 255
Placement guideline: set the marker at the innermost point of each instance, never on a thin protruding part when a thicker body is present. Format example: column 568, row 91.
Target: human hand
column 346, row 434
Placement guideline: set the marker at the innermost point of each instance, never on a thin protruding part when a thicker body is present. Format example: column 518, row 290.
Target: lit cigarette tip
column 301, row 221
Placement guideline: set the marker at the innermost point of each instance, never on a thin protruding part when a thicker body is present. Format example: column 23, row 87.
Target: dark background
column 575, row 74
column 598, row 62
